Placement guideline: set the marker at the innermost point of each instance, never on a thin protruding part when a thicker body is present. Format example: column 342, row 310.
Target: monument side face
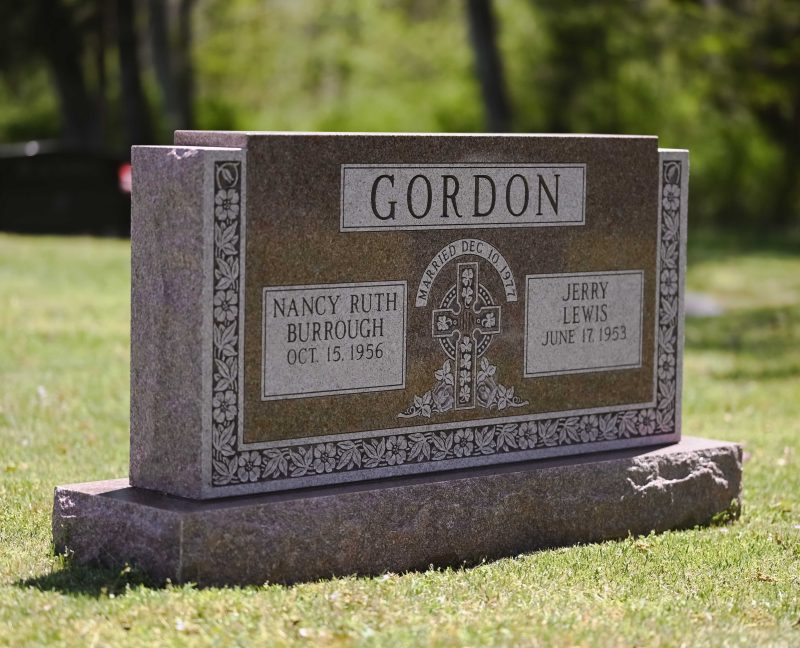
column 171, row 219
column 311, row 309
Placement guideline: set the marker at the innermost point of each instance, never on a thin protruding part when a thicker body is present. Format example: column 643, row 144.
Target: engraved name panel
column 583, row 322
column 450, row 196
column 333, row 339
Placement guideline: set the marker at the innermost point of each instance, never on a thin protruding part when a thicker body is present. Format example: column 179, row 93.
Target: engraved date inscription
column 583, row 322
column 333, row 339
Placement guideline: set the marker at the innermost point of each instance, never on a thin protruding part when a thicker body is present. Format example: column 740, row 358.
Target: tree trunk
column 488, row 65
column 162, row 61
column 137, row 118
column 101, row 29
column 184, row 72
column 61, row 44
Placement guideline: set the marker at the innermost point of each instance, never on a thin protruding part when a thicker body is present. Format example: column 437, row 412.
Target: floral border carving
column 231, row 466
column 226, row 330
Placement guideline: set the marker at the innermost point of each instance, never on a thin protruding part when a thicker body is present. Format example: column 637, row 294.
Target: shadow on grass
column 765, row 342
column 91, row 581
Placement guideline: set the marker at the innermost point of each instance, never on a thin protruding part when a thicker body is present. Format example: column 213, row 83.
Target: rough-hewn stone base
column 409, row 523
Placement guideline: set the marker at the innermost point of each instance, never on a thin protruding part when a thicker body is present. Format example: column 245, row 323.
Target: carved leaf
column 374, row 451
column 506, row 437
column 666, row 390
column 665, row 420
column 608, row 426
column 349, row 456
column 669, row 255
column 443, row 445
column 276, row 464
column 484, row 440
column 669, row 309
column 224, row 471
column 670, row 229
column 225, row 339
column 570, row 432
column 302, row 460
column 222, row 440
column 226, row 239
column 420, row 447
column 548, row 432
column 226, row 272
column 224, row 378
column 627, row 423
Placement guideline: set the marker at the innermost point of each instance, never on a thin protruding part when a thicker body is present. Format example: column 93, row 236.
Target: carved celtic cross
column 465, row 325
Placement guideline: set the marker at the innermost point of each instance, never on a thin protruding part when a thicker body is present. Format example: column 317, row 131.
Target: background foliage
column 722, row 79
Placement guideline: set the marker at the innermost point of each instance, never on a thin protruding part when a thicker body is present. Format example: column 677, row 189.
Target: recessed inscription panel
column 465, row 352
column 455, row 196
column 333, row 339
column 583, row 322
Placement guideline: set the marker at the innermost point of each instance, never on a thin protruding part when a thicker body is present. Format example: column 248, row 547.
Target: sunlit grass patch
column 64, row 362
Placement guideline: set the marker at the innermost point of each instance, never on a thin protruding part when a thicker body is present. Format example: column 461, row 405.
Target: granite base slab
column 410, row 523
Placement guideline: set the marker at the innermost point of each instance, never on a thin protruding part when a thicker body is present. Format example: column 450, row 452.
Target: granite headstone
column 437, row 313
column 310, row 309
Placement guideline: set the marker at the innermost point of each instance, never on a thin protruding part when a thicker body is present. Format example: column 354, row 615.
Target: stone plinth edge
column 409, row 523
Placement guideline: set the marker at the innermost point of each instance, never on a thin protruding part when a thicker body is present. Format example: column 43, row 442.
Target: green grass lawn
column 64, row 311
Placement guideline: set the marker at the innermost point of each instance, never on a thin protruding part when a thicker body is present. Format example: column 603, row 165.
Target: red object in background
column 124, row 175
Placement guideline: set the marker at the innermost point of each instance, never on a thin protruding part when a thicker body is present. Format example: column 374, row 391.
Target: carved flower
column 464, row 394
column 224, row 406
column 485, row 391
column 324, row 457
column 488, row 320
column 672, row 197
column 526, row 436
column 227, row 203
column 226, row 305
column 666, row 366
column 462, row 443
column 669, row 282
column 589, row 428
column 464, row 376
column 466, row 276
column 442, row 323
column 466, row 361
column 249, row 466
column 647, row 422
column 443, row 395
column 466, row 344
column 467, row 294
column 396, row 447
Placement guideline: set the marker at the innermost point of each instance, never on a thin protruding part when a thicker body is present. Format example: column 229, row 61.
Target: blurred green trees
column 722, row 79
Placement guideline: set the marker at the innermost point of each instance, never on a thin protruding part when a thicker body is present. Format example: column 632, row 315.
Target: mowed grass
column 64, row 312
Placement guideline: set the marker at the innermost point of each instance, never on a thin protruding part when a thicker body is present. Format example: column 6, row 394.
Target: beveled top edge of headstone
column 267, row 133
column 169, row 147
